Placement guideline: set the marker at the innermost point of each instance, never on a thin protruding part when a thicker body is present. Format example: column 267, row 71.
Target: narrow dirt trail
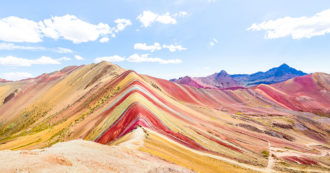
column 270, row 164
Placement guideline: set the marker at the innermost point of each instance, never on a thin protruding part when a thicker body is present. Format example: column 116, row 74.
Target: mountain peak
column 286, row 69
column 275, row 75
column 284, row 65
column 105, row 63
column 222, row 73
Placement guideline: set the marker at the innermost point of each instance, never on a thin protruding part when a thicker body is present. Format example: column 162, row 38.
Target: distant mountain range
column 223, row 80
column 3, row 80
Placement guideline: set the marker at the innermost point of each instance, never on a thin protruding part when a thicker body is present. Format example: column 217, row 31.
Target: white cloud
column 145, row 58
column 157, row 46
column 62, row 50
column 11, row 46
column 181, row 14
column 213, row 42
column 122, row 24
column 166, row 19
column 144, row 46
column 15, row 29
column 148, row 17
column 63, row 59
column 72, row 28
column 77, row 57
column 296, row 27
column 104, row 39
column 173, row 48
column 16, row 61
column 114, row 58
column 44, row 60
column 68, row 27
column 137, row 59
column 15, row 75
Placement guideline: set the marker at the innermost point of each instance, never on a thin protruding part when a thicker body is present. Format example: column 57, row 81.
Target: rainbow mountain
column 144, row 121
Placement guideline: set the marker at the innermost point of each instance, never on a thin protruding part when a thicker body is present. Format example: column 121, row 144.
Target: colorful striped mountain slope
column 269, row 128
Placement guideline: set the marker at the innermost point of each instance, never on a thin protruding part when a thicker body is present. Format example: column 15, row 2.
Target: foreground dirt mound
column 83, row 156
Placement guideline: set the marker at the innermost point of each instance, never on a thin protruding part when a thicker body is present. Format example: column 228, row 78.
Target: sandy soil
column 84, row 156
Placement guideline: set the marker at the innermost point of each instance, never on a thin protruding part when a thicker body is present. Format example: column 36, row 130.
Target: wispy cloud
column 213, row 42
column 180, row 14
column 137, row 58
column 61, row 50
column 296, row 27
column 13, row 76
column 17, row 61
column 68, row 27
column 114, row 58
column 104, row 39
column 121, row 24
column 145, row 58
column 79, row 58
column 173, row 48
column 147, row 18
column 157, row 46
column 63, row 59
column 11, row 46
column 144, row 46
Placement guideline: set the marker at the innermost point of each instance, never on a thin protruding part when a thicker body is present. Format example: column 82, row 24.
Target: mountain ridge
column 223, row 80
column 273, row 75
column 4, row 80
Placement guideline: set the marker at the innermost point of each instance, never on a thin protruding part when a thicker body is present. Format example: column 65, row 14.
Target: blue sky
column 164, row 38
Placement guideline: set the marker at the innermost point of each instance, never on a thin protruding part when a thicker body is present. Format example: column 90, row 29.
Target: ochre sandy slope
column 282, row 127
column 84, row 156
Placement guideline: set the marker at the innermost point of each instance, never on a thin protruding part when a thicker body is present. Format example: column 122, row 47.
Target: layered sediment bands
column 308, row 93
column 162, row 147
column 205, row 130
